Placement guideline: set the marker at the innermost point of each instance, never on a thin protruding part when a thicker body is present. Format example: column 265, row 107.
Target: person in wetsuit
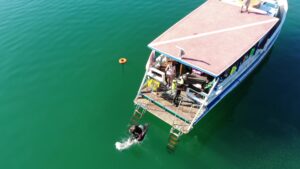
column 178, row 87
column 137, row 132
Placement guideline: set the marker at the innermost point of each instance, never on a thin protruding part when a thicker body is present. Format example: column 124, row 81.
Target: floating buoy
column 122, row 60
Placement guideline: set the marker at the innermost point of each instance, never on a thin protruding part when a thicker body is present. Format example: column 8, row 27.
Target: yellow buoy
column 122, row 60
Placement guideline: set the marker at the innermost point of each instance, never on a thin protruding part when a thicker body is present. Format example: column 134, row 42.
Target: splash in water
column 126, row 144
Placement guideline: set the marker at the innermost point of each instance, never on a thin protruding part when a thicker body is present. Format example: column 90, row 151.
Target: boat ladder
column 137, row 115
column 174, row 136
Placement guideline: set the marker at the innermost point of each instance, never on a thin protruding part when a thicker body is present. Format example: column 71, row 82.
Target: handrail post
column 141, row 86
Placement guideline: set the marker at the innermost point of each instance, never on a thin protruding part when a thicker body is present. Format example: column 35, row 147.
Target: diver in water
column 137, row 132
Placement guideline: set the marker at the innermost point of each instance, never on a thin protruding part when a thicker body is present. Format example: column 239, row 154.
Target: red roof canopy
column 214, row 36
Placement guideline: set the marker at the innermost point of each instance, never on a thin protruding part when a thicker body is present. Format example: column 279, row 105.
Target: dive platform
column 162, row 113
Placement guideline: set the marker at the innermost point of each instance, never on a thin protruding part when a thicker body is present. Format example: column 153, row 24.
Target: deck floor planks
column 162, row 114
column 186, row 112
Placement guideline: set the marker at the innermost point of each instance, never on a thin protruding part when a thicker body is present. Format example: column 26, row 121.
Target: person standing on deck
column 170, row 73
column 179, row 86
column 246, row 3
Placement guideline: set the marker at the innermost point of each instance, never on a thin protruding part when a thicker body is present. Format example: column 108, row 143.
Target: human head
column 131, row 129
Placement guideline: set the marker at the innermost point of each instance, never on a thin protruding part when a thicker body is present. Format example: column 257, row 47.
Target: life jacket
column 233, row 70
column 153, row 84
column 174, row 86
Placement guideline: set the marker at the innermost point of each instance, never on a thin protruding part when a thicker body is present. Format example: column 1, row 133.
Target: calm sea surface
column 65, row 100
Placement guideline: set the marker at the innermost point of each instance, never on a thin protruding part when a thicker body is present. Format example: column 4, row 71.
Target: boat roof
column 213, row 37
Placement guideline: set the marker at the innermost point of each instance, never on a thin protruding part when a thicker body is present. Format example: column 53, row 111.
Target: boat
column 195, row 63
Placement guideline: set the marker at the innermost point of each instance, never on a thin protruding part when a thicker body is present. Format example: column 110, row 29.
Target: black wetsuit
column 137, row 133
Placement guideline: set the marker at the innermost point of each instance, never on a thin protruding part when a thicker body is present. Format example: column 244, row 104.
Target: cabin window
column 235, row 67
column 262, row 42
column 254, row 49
column 267, row 36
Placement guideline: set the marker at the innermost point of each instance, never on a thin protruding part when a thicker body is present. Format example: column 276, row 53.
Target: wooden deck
column 162, row 114
column 160, row 105
column 185, row 111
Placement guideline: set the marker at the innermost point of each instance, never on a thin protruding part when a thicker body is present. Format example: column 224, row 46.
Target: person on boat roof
column 246, row 3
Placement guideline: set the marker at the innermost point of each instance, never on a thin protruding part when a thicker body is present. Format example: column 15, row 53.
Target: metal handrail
column 202, row 106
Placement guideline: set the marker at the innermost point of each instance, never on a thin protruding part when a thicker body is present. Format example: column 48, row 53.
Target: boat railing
column 199, row 97
column 203, row 106
column 157, row 75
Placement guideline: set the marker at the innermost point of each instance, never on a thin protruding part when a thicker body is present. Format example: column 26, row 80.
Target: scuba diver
column 138, row 132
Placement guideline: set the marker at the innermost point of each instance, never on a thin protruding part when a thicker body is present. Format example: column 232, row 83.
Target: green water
column 65, row 100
